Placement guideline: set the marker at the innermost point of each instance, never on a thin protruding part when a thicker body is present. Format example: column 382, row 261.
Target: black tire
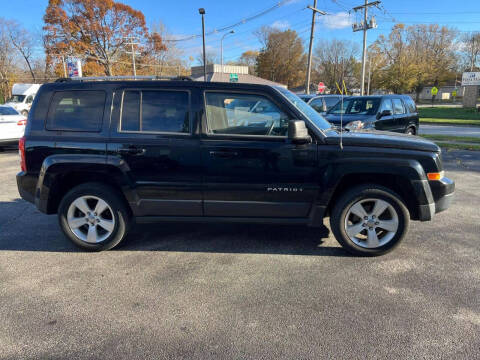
column 24, row 113
column 362, row 192
column 411, row 130
column 121, row 215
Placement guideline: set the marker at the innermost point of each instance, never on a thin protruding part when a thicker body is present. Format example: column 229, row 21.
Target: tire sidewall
column 367, row 192
column 118, row 209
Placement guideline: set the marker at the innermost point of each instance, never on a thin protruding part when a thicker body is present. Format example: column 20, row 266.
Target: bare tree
column 470, row 48
column 24, row 42
column 210, row 55
column 7, row 60
column 335, row 61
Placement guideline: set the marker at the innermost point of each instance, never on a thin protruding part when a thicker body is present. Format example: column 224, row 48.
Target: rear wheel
column 411, row 131
column 24, row 113
column 369, row 220
column 94, row 217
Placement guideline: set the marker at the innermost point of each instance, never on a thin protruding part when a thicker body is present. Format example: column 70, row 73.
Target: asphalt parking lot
column 240, row 292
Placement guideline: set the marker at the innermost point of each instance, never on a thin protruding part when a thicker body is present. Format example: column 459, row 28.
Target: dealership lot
column 240, row 291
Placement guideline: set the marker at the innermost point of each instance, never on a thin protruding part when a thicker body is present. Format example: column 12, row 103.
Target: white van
column 22, row 97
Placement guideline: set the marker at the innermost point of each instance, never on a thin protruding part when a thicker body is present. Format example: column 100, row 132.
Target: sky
column 182, row 19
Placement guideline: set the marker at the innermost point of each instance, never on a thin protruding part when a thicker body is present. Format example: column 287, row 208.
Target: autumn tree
column 281, row 58
column 96, row 30
column 336, row 61
column 410, row 58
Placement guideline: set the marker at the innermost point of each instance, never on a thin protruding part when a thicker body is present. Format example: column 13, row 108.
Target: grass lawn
column 458, row 146
column 448, row 113
column 464, row 139
column 435, row 121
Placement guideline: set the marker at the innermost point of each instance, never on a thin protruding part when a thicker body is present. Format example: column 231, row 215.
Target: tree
column 470, row 49
column 210, row 56
column 7, row 61
column 24, row 42
column 282, row 58
column 97, row 30
column 336, row 61
column 249, row 58
column 414, row 56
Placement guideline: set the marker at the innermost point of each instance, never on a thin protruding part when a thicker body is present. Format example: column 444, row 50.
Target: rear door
column 152, row 134
column 400, row 114
column 251, row 169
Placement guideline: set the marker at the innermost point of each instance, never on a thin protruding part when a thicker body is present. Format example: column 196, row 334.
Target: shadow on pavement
column 39, row 232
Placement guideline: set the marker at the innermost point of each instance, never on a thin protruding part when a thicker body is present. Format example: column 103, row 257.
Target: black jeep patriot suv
column 102, row 154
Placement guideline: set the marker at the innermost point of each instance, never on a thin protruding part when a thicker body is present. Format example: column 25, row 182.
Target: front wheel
column 411, row 131
column 369, row 220
column 94, row 217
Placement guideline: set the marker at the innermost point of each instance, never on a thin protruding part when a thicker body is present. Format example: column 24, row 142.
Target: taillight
column 21, row 151
column 22, row 122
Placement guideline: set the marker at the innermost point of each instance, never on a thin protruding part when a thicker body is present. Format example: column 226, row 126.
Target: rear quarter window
column 78, row 110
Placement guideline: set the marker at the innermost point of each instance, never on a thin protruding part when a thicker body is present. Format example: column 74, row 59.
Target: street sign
column 321, row 87
column 234, row 77
column 434, row 91
column 454, row 93
column 470, row 78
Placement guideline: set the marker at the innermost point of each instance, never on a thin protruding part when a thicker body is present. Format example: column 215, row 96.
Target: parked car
column 396, row 113
column 306, row 97
column 102, row 154
column 323, row 103
column 12, row 126
column 22, row 97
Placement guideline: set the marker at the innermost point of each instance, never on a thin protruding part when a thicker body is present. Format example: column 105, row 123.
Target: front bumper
column 442, row 193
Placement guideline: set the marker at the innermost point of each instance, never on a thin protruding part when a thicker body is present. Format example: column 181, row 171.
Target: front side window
column 244, row 114
column 155, row 111
column 398, row 106
column 317, row 104
column 76, row 110
column 386, row 105
column 357, row 106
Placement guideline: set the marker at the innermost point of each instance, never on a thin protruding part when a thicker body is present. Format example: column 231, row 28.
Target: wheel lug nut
column 376, row 223
column 370, row 228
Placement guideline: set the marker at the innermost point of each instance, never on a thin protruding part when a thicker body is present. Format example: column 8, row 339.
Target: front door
column 386, row 122
column 251, row 169
column 152, row 137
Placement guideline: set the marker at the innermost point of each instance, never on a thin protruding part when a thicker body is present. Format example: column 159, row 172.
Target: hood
column 382, row 139
column 335, row 119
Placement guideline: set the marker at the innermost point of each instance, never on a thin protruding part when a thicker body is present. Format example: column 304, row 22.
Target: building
column 229, row 73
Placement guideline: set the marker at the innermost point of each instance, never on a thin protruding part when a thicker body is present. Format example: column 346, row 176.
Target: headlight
column 355, row 125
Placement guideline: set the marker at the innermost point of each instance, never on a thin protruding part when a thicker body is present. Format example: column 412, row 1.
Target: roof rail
column 125, row 77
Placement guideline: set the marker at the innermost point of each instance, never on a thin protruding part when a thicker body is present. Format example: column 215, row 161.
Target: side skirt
column 221, row 219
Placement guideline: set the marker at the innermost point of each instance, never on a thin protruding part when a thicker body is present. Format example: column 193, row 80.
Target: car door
column 400, row 114
column 253, row 170
column 152, row 136
column 385, row 122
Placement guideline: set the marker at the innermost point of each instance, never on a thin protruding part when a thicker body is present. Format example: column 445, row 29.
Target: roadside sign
column 74, row 68
column 233, row 77
column 470, row 78
column 434, row 91
column 454, row 93
column 321, row 87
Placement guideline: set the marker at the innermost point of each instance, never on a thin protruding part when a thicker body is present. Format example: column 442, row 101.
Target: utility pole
column 132, row 44
column 369, row 75
column 221, row 48
column 201, row 11
column 64, row 67
column 312, row 32
column 364, row 26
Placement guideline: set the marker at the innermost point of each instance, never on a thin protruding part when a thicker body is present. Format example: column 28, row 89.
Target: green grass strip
column 460, row 139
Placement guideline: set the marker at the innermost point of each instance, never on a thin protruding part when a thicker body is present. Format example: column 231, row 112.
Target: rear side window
column 410, row 105
column 80, row 110
column 398, row 106
column 155, row 111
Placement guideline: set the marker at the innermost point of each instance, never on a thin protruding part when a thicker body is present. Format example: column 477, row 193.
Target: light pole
column 201, row 11
column 312, row 32
column 221, row 48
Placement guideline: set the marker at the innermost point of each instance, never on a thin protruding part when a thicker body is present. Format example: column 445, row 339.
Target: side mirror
column 384, row 113
column 298, row 132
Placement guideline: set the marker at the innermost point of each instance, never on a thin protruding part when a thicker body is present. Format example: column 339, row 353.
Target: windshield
column 306, row 109
column 356, row 106
column 17, row 98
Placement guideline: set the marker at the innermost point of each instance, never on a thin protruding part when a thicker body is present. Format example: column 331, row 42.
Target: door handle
column 132, row 150
column 224, row 154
